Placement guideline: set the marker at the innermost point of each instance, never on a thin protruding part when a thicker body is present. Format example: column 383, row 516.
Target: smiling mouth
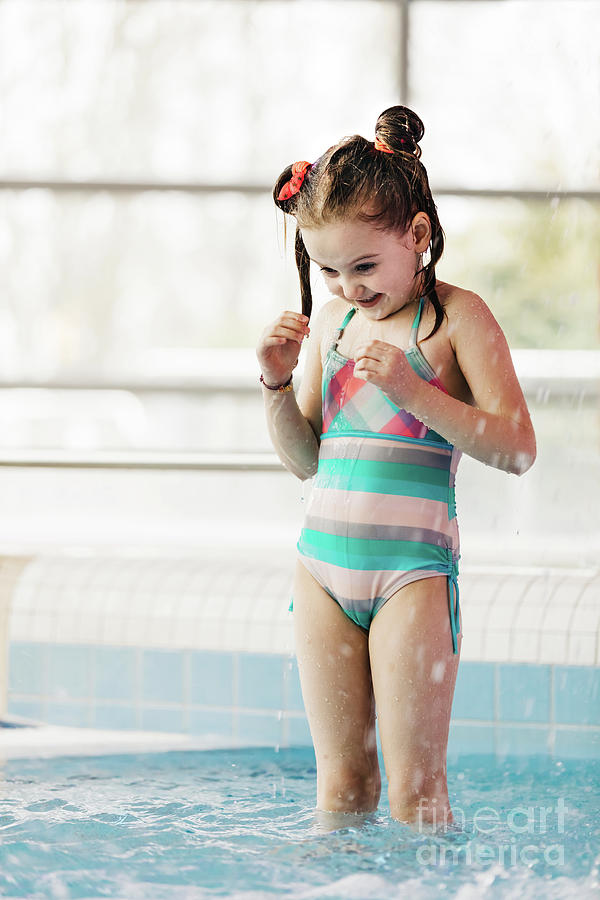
column 369, row 301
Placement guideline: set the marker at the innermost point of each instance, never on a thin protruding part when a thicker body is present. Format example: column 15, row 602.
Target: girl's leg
column 333, row 661
column 414, row 673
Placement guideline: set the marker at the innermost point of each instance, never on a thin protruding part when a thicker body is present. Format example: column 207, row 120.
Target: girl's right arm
column 294, row 424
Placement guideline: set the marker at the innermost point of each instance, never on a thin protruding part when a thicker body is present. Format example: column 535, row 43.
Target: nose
column 352, row 289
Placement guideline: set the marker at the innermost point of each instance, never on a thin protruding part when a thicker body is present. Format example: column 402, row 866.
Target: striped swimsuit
column 381, row 512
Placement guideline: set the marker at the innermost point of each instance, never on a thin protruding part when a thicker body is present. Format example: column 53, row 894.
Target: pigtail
column 286, row 194
column 303, row 266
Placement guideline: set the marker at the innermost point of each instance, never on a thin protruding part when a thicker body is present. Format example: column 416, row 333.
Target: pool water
column 241, row 824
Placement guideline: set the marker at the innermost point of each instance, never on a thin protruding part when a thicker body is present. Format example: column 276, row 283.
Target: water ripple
column 242, row 825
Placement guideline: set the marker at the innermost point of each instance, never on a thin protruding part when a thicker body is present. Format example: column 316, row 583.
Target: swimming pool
column 200, row 654
column 241, row 824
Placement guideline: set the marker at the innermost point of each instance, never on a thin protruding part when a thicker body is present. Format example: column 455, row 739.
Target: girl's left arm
column 497, row 428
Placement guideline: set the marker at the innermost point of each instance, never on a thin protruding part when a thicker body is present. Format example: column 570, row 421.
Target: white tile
column 44, row 628
column 553, row 648
column 510, row 591
column 529, row 617
column 19, row 626
column 238, row 609
column 569, row 590
column 496, row 645
column 471, row 648
column 208, row 636
column 585, row 618
column 484, row 592
column 234, row 639
column 23, row 597
column 214, row 607
column 525, row 646
column 474, row 617
column 265, row 607
column 282, row 639
column 581, row 649
column 258, row 637
column 70, row 628
column 502, row 617
column 181, row 630
column 189, row 605
column 537, row 590
column 591, row 592
column 113, row 630
column 557, row 617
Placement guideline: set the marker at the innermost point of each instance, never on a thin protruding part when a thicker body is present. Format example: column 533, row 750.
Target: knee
column 348, row 787
column 420, row 800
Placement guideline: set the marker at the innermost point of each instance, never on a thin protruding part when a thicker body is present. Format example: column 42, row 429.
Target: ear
column 421, row 232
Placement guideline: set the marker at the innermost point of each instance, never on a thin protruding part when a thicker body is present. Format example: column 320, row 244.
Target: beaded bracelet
column 280, row 388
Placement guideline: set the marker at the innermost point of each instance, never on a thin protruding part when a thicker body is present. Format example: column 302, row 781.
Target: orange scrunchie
column 291, row 187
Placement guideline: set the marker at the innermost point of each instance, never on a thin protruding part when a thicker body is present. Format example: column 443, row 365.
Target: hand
column 279, row 346
column 386, row 366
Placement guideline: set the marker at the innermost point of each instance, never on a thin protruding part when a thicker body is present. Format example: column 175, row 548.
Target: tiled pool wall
column 194, row 647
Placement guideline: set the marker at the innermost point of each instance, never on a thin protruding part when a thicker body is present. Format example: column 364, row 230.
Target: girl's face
column 370, row 268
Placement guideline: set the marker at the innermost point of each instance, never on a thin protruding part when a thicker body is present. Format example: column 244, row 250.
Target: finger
column 289, row 333
column 367, row 356
column 294, row 320
column 274, row 341
column 365, row 370
column 364, row 374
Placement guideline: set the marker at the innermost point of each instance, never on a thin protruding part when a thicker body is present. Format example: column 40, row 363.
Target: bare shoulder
column 468, row 315
column 324, row 324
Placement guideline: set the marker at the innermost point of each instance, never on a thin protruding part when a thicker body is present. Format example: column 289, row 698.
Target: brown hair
column 352, row 174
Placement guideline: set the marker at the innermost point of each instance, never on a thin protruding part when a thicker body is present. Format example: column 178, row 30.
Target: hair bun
column 400, row 129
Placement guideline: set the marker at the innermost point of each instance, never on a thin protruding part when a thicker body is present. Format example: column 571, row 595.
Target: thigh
column 333, row 662
column 414, row 673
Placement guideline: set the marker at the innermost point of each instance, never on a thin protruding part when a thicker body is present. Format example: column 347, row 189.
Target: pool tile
column 158, row 718
column 214, row 722
column 582, row 649
column 28, row 709
column 211, row 678
column 291, row 686
column 114, row 673
column 577, row 744
column 26, row 668
column 72, row 715
column 68, row 673
column 259, row 729
column 297, row 732
column 474, row 692
column 467, row 739
column 577, row 695
column 521, row 741
column 114, row 717
column 260, row 681
column 523, row 692
column 162, row 676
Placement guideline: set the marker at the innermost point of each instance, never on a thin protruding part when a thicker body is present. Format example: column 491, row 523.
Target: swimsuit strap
column 337, row 334
column 412, row 341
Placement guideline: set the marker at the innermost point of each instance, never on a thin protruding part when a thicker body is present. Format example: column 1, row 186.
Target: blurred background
column 141, row 254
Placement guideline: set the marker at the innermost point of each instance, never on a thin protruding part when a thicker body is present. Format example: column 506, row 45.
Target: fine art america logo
column 497, row 836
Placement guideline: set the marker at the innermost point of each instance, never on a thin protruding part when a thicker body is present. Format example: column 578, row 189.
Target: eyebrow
column 354, row 261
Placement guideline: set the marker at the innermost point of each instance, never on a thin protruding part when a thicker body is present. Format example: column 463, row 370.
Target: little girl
column 403, row 374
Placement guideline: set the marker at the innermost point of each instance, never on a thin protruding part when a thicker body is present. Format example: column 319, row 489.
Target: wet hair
column 352, row 175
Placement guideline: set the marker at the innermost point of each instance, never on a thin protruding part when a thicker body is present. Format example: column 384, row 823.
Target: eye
column 365, row 267
column 328, row 272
